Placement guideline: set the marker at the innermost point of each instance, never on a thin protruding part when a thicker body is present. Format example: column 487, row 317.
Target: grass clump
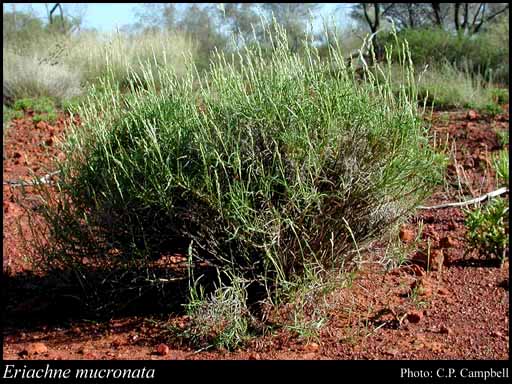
column 500, row 96
column 220, row 319
column 449, row 87
column 29, row 77
column 500, row 165
column 256, row 171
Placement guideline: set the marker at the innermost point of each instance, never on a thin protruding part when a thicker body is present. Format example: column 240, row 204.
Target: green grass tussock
column 254, row 172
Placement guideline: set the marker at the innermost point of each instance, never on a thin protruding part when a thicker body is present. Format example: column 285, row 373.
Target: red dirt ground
column 456, row 306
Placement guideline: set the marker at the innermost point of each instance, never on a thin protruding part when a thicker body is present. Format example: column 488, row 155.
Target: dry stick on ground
column 495, row 193
column 43, row 180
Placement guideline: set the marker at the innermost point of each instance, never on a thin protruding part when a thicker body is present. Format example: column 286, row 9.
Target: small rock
column 49, row 142
column 496, row 334
column 83, row 351
column 254, row 356
column 417, row 270
column 436, row 259
column 162, row 349
column 17, row 155
column 36, row 348
column 41, row 125
column 90, row 356
column 406, row 235
column 6, row 206
column 309, row 356
column 414, row 316
column 312, row 347
column 472, row 115
column 443, row 291
column 422, row 287
column 448, row 242
column 445, row 330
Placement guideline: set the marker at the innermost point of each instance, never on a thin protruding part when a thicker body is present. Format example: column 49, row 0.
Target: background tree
column 155, row 16
column 293, row 17
column 241, row 19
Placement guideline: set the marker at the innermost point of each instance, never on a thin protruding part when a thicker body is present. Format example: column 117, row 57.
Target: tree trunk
column 456, row 17
column 411, row 18
column 436, row 7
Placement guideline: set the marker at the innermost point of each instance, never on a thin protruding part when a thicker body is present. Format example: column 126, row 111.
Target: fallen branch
column 495, row 193
column 43, row 180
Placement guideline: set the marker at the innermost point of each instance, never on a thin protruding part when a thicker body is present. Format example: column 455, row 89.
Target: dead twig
column 495, row 193
column 46, row 179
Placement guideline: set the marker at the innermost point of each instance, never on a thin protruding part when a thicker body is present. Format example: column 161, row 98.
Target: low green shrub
column 500, row 164
column 491, row 109
column 488, row 228
column 48, row 117
column 502, row 137
column 499, row 96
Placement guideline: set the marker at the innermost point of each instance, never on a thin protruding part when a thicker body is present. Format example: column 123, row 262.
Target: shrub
column 491, row 109
column 256, row 172
column 488, row 228
column 485, row 53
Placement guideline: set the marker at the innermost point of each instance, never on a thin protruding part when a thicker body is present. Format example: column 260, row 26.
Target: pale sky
column 107, row 16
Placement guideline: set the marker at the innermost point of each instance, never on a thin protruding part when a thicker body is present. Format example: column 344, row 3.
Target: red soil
column 455, row 306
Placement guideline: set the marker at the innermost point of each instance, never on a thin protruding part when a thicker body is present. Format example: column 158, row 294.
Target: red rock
column 254, row 356
column 312, row 347
column 496, row 334
column 309, row 356
column 452, row 226
column 36, row 348
column 472, row 115
column 417, row 270
column 41, row 125
column 406, row 235
column 414, row 316
column 162, row 349
column 448, row 242
column 17, row 155
column 445, row 330
column 443, row 291
column 83, row 351
column 6, row 206
column 436, row 259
